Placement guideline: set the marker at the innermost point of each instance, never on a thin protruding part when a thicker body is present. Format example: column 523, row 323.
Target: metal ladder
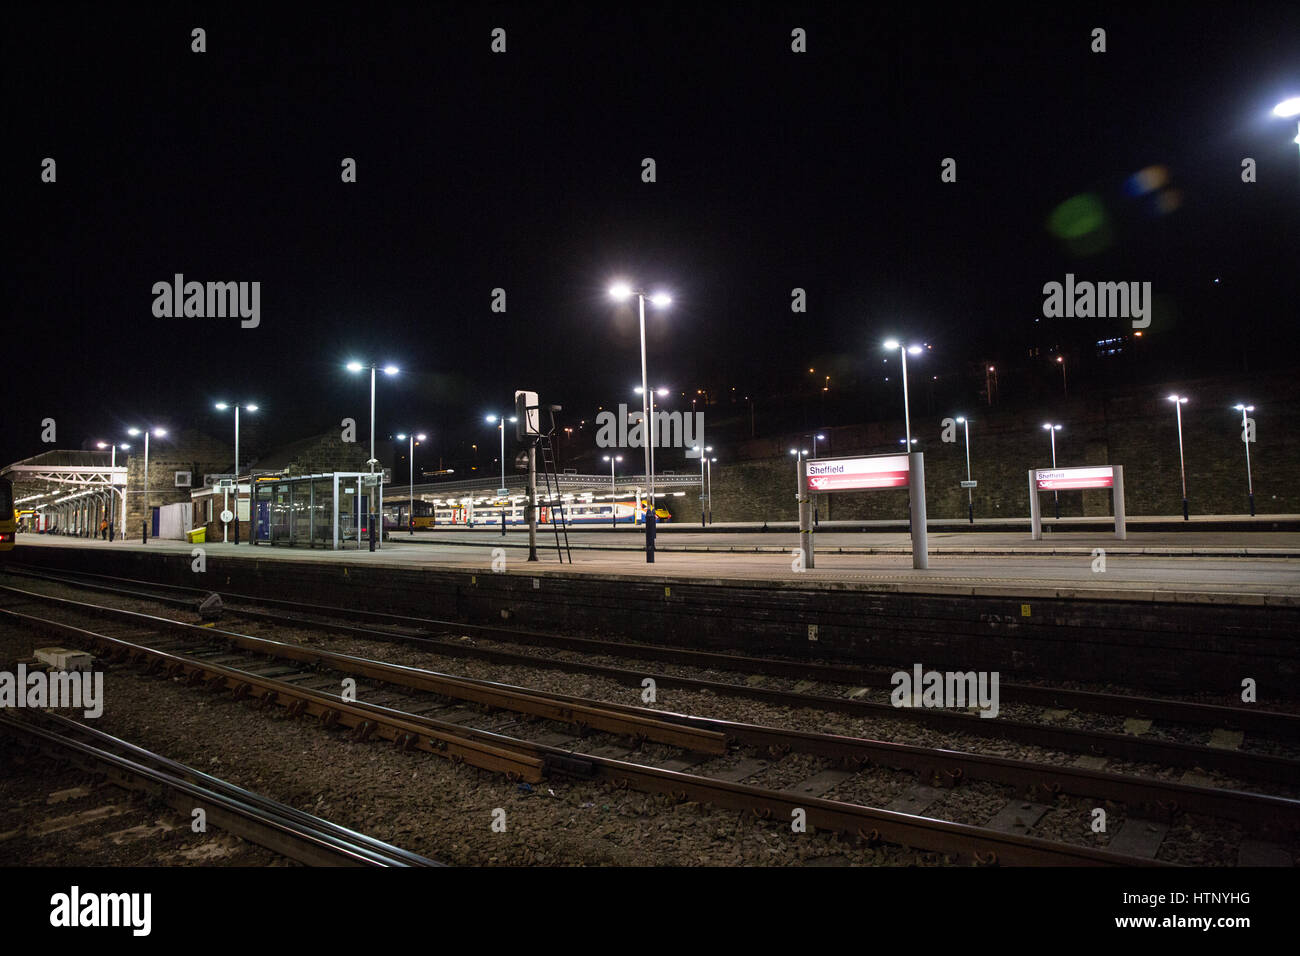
column 552, row 481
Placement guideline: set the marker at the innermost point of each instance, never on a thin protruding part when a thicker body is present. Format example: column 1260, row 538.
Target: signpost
column 1072, row 479
column 871, row 472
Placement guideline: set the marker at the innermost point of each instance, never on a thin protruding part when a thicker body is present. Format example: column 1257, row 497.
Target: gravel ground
column 58, row 815
column 426, row 804
column 1193, row 841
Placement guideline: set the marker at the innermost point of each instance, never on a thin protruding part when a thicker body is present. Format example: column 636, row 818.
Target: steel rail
column 961, row 841
column 1247, row 765
column 436, row 737
column 275, row 826
column 942, row 767
column 1273, row 723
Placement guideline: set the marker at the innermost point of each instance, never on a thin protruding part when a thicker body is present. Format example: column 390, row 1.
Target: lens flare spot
column 1168, row 200
column 1147, row 180
column 1081, row 223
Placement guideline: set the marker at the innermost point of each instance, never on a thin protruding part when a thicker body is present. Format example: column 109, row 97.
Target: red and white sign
column 1069, row 479
column 853, row 474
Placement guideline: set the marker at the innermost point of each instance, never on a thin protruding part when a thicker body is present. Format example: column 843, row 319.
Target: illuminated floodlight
column 891, row 344
column 661, row 299
column 390, row 369
column 355, row 366
column 620, row 291
column 1288, row 108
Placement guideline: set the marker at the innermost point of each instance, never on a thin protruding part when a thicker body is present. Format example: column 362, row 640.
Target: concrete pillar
column 1035, row 512
column 916, row 496
column 1117, row 492
column 806, row 543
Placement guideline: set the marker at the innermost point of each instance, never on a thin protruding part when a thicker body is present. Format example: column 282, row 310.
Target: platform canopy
column 37, row 477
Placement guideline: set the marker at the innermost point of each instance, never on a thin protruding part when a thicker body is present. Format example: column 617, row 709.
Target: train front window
column 6, row 501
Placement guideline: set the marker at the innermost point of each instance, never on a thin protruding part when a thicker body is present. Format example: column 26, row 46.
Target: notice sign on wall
column 1068, row 479
column 853, row 474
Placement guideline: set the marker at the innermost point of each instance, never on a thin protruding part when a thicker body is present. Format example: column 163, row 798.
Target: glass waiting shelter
column 317, row 511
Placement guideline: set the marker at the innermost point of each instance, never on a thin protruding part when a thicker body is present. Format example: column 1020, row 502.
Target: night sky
column 522, row 171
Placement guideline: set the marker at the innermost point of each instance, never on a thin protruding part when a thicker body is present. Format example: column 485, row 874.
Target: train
column 429, row 516
column 8, row 516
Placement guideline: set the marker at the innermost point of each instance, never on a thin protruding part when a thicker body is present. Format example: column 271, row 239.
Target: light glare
column 1288, row 107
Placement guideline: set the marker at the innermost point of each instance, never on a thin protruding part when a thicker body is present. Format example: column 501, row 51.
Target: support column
column 916, row 497
column 531, row 506
column 1117, row 492
column 1035, row 512
column 806, row 544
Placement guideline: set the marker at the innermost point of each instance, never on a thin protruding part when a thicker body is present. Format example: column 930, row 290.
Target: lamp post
column 620, row 292
column 816, row 516
column 1245, row 440
column 1179, row 401
column 388, row 370
column 1065, row 388
column 799, row 454
column 970, row 494
column 1056, row 495
column 646, row 430
column 159, row 432
column 222, row 406
column 1289, row 109
column 501, row 427
column 703, row 496
column 411, row 460
column 710, row 485
column 903, row 351
column 112, row 465
column 613, row 494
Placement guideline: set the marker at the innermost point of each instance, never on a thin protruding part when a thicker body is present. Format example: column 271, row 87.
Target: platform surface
column 1053, row 570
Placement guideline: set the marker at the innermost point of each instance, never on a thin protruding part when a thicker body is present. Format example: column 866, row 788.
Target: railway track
column 282, row 829
column 945, row 768
column 1239, row 764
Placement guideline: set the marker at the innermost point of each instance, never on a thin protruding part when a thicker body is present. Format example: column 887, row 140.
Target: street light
column 621, row 291
column 414, row 438
column 221, row 407
column 1065, row 388
column 103, row 444
column 1179, row 401
column 113, row 464
column 613, row 494
column 1245, row 440
column 501, row 427
column 159, row 433
column 1289, row 109
column 703, row 496
column 799, row 455
column 970, row 494
column 1056, row 495
column 903, row 351
column 710, row 486
column 388, row 370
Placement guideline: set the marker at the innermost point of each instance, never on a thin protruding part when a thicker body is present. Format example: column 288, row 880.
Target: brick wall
column 1134, row 429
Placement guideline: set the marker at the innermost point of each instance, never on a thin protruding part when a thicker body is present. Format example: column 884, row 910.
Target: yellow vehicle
column 8, row 518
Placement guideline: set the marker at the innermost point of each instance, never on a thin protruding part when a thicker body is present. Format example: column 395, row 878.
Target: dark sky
column 522, row 171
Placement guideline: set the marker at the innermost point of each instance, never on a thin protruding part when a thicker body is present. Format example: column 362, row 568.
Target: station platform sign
column 1073, row 479
column 853, row 474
